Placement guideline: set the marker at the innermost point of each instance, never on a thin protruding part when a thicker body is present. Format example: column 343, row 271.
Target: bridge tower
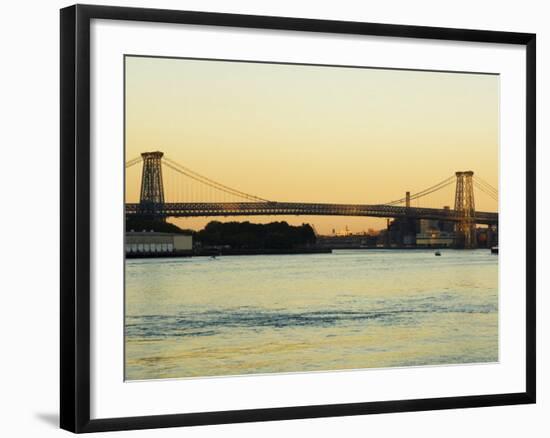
column 152, row 188
column 464, row 204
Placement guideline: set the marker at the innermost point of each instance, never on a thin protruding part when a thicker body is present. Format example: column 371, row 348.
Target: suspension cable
column 484, row 190
column 417, row 196
column 440, row 185
column 487, row 192
column 479, row 179
column 133, row 162
column 209, row 182
column 487, row 186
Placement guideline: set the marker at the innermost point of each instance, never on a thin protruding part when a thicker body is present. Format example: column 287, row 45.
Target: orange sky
column 311, row 134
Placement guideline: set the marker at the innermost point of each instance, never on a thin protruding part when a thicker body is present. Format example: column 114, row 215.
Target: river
column 234, row 315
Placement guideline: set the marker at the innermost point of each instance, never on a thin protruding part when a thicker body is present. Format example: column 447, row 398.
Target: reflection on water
column 234, row 315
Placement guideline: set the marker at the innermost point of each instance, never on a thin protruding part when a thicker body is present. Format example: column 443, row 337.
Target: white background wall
column 29, row 180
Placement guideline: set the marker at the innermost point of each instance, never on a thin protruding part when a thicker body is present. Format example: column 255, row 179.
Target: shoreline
column 263, row 251
column 288, row 251
column 227, row 252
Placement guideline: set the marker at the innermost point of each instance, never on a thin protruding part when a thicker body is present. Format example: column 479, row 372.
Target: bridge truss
column 233, row 202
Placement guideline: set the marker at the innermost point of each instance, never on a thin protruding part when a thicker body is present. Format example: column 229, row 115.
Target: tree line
column 238, row 235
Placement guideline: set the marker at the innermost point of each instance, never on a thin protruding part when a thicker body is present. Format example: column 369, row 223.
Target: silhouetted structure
column 247, row 235
column 152, row 189
column 465, row 207
column 232, row 202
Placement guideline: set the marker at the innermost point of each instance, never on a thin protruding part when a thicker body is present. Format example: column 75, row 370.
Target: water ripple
column 208, row 323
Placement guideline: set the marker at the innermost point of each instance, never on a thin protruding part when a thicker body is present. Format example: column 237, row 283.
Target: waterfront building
column 351, row 241
column 487, row 237
column 148, row 243
column 400, row 232
column 435, row 238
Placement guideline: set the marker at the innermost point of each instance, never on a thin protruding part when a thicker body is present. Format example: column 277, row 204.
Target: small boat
column 494, row 250
column 437, row 253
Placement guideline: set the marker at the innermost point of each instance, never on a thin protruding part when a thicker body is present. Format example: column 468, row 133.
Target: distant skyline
column 313, row 134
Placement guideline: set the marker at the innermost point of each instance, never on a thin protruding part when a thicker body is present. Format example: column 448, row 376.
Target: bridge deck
column 198, row 209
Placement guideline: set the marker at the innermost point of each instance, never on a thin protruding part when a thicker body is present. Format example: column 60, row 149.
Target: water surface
column 188, row 317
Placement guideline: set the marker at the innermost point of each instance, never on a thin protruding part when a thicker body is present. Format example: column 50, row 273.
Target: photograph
column 293, row 218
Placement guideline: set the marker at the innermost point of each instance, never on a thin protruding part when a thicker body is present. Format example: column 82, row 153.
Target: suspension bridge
column 195, row 195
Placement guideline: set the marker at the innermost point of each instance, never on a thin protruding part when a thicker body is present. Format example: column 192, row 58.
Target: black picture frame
column 75, row 217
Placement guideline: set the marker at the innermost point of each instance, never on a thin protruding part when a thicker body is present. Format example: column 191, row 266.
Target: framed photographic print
column 271, row 218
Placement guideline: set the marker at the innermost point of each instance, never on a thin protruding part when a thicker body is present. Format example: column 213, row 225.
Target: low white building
column 152, row 243
column 435, row 238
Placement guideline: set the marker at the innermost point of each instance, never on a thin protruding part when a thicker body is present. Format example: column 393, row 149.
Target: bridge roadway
column 198, row 209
